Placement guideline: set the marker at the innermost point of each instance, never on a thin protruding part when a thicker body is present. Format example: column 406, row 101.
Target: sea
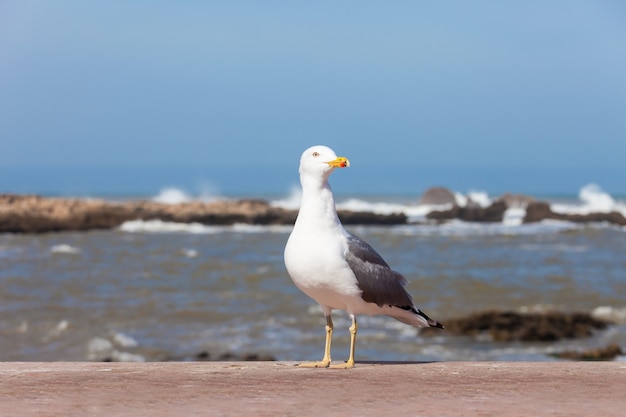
column 156, row 291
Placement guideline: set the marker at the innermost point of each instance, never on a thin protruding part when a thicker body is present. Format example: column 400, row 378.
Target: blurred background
column 191, row 100
column 125, row 98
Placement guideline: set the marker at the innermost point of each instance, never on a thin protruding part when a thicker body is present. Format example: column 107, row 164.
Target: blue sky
column 526, row 96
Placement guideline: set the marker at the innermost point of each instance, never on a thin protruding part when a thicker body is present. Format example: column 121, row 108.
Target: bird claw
column 320, row 364
column 345, row 365
column 326, row 364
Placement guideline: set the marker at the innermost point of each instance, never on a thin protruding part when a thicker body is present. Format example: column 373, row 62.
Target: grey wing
column 379, row 283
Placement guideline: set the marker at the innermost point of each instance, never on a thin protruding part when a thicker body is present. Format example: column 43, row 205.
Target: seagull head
column 320, row 161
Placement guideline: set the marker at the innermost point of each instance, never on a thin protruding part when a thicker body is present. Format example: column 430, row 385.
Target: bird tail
column 417, row 318
column 431, row 322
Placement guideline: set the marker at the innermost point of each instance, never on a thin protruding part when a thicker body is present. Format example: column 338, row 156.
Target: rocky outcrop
column 36, row 214
column 472, row 213
column 363, row 217
column 607, row 353
column 33, row 214
column 437, row 196
column 506, row 326
column 538, row 211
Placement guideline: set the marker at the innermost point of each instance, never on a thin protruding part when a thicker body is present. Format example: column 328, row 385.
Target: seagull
column 337, row 269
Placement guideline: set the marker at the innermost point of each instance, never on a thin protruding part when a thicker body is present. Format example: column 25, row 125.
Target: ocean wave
column 614, row 314
column 592, row 199
column 159, row 226
column 101, row 348
column 124, row 340
column 189, row 253
column 64, row 249
column 174, row 195
column 514, row 216
column 478, row 197
column 453, row 228
column 459, row 228
column 555, row 247
column 414, row 212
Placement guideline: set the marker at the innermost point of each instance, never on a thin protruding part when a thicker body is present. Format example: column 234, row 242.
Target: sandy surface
column 280, row 388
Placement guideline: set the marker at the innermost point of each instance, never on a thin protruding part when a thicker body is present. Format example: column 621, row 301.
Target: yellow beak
column 340, row 162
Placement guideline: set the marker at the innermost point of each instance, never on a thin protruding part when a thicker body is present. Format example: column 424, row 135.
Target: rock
column 538, row 211
column 607, row 353
column 36, row 214
column 437, row 196
column 492, row 213
column 30, row 214
column 506, row 326
column 474, row 213
column 362, row 217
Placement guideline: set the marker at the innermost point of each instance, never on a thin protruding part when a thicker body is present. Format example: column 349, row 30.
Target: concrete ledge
column 280, row 388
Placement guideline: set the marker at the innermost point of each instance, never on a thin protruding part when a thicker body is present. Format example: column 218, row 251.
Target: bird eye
column 316, row 154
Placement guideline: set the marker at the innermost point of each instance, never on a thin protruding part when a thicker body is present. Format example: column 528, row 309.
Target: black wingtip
column 431, row 322
column 435, row 324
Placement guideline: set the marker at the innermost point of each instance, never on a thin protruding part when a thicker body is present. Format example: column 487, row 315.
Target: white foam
column 461, row 200
column 159, row 226
column 64, row 249
column 58, row 330
column 557, row 247
column 479, row 197
column 595, row 199
column 189, row 253
column 537, row 308
column 124, row 340
column 258, row 228
column 592, row 200
column 414, row 212
column 514, row 216
column 461, row 228
column 355, row 204
column 174, row 195
column 171, row 195
column 98, row 347
column 126, row 357
column 617, row 315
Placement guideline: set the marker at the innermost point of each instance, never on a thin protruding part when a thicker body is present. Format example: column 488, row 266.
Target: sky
column 119, row 96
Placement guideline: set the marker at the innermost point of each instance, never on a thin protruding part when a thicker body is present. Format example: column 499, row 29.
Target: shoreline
column 281, row 388
column 37, row 214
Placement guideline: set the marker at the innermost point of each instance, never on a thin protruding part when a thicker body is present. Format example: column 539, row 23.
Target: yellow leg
column 325, row 362
column 353, row 329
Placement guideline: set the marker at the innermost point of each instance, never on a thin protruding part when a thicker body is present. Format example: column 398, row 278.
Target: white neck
column 317, row 202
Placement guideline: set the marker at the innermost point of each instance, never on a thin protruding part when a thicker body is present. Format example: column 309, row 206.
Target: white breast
column 316, row 264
